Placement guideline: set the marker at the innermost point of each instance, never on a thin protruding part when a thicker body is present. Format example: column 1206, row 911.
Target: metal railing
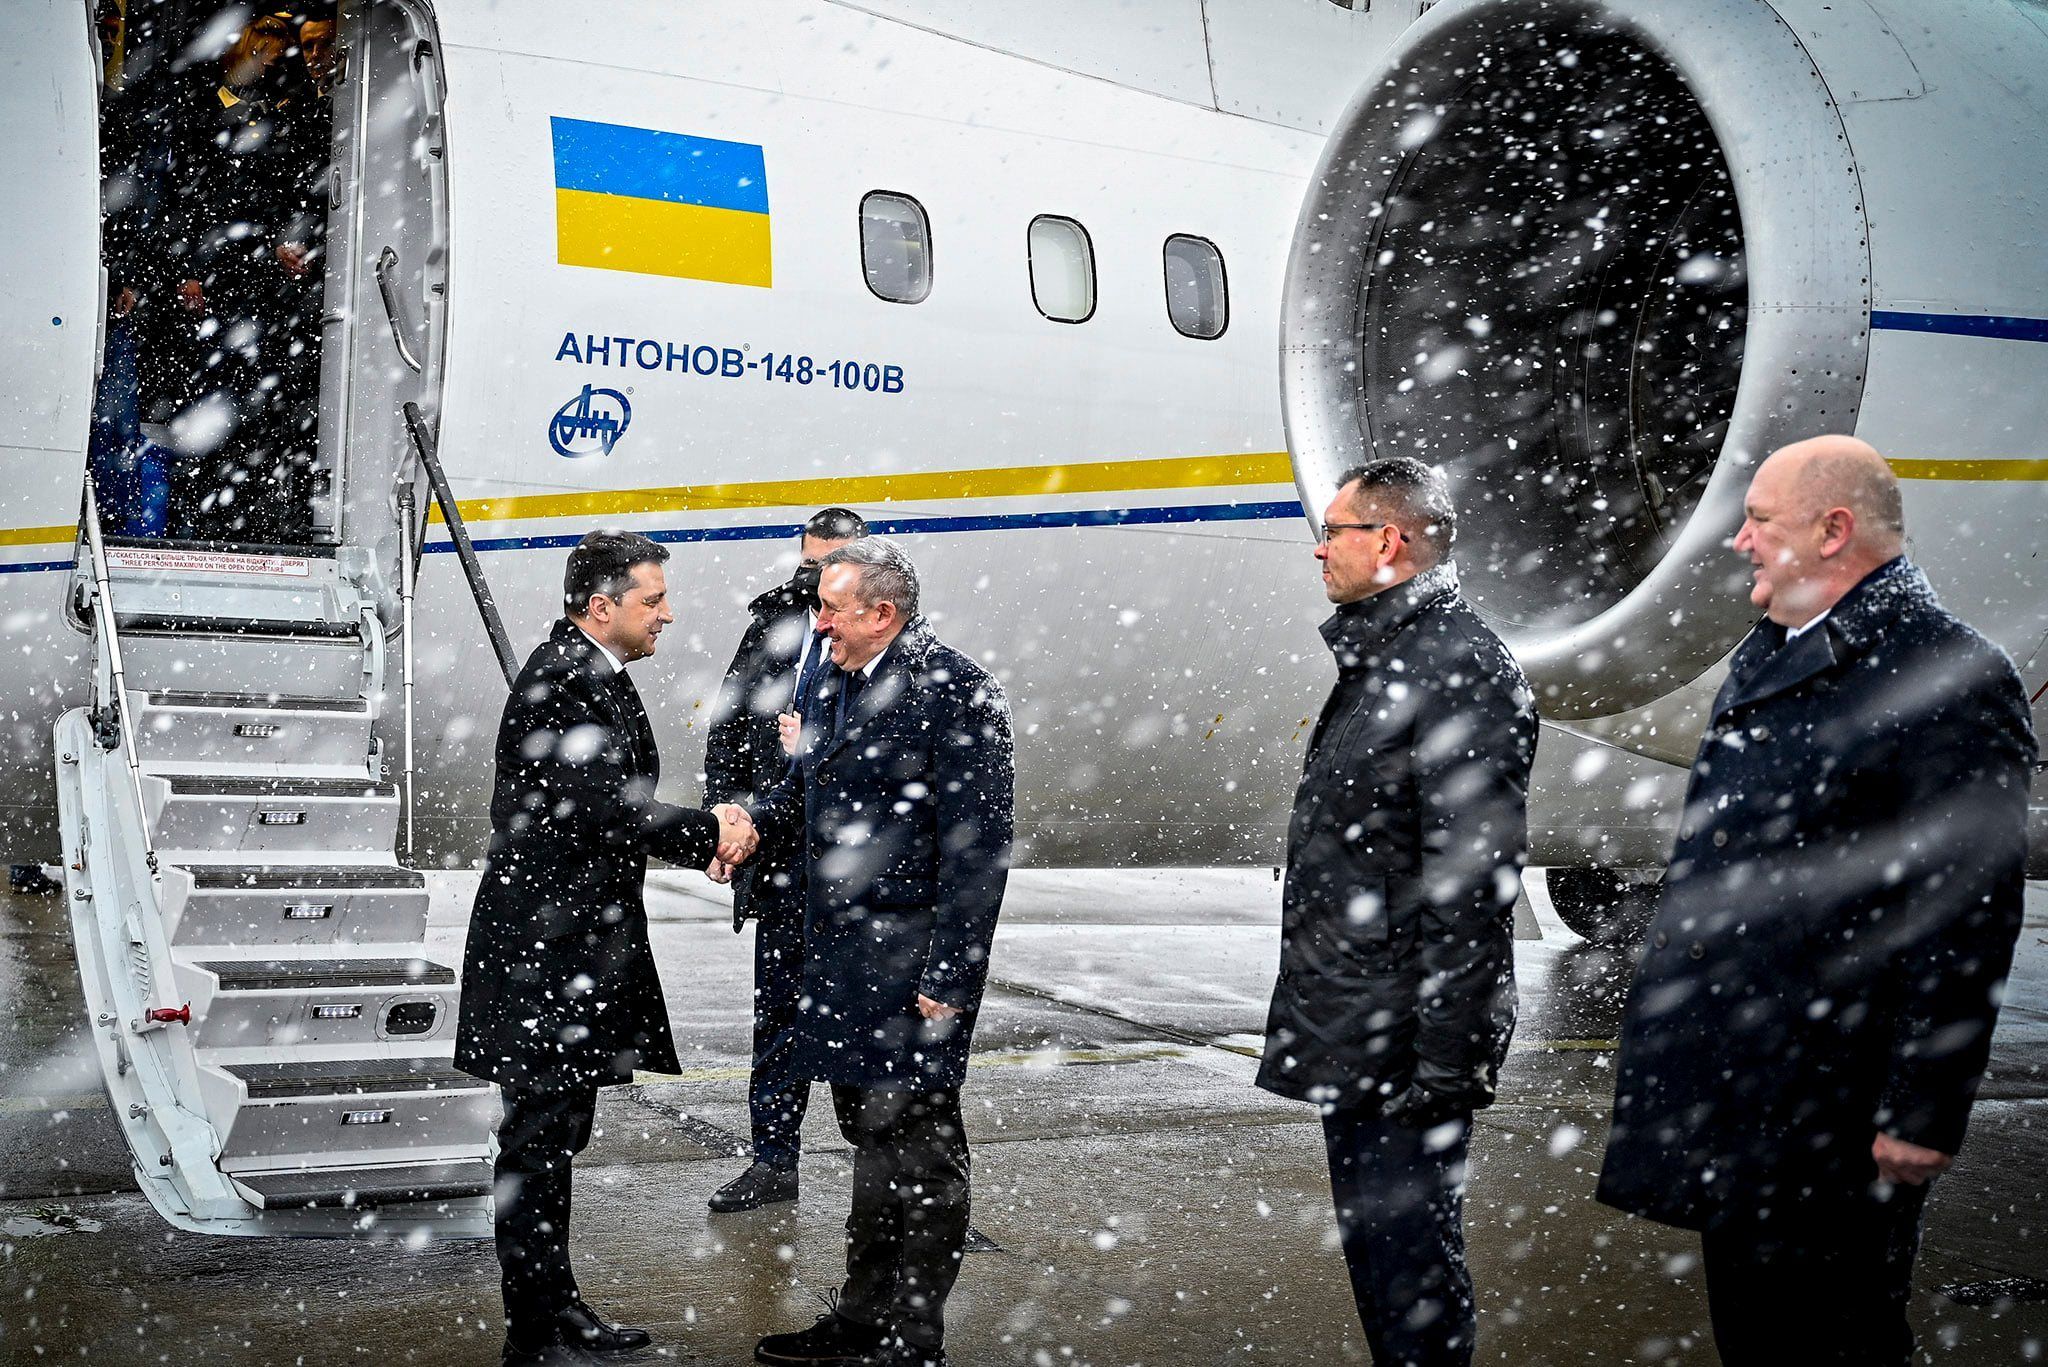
column 486, row 605
column 110, row 639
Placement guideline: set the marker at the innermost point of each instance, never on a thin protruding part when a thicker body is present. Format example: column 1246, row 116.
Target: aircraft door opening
column 386, row 317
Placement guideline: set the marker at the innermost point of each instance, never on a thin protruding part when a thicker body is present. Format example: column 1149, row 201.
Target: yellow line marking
column 1013, row 1058
column 69, row 1101
column 1971, row 469
column 1088, row 477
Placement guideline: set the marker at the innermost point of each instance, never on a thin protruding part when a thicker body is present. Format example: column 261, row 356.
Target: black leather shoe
column 581, row 1328
column 897, row 1353
column 760, row 1185
column 834, row 1341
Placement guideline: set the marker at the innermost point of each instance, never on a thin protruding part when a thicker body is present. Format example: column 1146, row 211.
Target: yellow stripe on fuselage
column 1092, row 477
column 36, row 536
column 656, row 237
column 1970, row 469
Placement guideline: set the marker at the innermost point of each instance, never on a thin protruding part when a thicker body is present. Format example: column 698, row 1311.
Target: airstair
column 275, row 1038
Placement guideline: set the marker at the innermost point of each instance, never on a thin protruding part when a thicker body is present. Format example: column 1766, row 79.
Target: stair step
column 319, row 816
column 337, row 1112
column 228, row 731
column 281, row 1004
column 302, row 667
column 298, row 1188
column 283, row 975
column 196, row 624
column 247, row 905
column 265, row 877
column 351, row 1078
column 275, row 702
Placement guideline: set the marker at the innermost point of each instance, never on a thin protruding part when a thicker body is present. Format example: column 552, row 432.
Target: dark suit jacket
column 1840, row 910
column 905, row 821
column 558, row 981
column 743, row 754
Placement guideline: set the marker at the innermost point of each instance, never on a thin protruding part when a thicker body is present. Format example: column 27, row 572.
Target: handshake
column 737, row 841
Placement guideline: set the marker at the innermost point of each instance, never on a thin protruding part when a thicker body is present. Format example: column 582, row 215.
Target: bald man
column 1805, row 1035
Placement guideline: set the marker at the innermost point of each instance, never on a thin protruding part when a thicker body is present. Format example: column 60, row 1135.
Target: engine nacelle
column 1597, row 258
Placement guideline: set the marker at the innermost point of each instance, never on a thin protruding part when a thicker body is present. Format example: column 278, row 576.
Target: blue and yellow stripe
column 656, row 203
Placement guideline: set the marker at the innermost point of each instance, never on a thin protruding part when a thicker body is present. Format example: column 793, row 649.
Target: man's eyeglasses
column 1329, row 527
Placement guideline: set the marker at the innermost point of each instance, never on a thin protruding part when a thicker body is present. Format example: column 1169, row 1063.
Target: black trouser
column 908, row 1226
column 1400, row 1196
column 539, row 1135
column 1829, row 1291
column 776, row 1096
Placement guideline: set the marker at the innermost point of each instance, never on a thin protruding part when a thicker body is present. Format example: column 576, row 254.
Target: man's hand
column 790, row 728
column 293, row 257
column 192, row 296
column 1420, row 1108
column 933, row 1010
column 1906, row 1164
column 718, row 871
column 736, row 834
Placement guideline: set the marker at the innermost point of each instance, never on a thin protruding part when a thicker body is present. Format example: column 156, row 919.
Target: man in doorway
column 901, row 798
column 559, row 991
column 1396, row 994
column 1805, row 1035
column 779, row 656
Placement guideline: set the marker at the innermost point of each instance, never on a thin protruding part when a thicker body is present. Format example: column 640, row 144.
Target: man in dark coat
column 902, row 798
column 1396, row 993
column 559, row 990
column 1812, row 1015
column 744, row 756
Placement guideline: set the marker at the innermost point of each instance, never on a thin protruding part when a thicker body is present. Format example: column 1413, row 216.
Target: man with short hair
column 1396, row 993
column 902, row 798
column 559, row 990
column 778, row 657
column 1805, row 1035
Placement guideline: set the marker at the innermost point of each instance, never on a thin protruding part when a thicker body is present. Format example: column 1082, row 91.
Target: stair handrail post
column 408, row 506
column 110, row 640
column 494, row 625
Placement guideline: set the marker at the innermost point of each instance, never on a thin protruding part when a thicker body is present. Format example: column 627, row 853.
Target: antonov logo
column 590, row 424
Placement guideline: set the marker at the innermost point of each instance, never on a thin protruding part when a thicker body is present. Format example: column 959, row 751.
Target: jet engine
column 1596, row 258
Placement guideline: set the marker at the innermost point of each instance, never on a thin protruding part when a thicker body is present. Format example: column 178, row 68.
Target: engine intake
column 1595, row 259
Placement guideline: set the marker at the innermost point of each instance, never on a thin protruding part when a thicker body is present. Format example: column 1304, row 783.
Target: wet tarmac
column 1138, row 1201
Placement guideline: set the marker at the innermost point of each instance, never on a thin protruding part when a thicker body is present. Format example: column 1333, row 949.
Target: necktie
column 849, row 689
column 808, row 676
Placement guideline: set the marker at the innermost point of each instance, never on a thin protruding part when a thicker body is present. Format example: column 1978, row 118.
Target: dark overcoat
column 1404, row 858
column 1840, row 910
column 905, row 822
column 743, row 755
column 558, row 981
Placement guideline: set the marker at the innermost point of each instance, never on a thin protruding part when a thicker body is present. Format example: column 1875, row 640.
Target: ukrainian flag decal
column 635, row 199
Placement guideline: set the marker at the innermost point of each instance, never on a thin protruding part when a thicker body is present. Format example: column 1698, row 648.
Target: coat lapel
column 1786, row 667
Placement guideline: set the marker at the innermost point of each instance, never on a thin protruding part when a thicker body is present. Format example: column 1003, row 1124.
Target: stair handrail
column 110, row 638
column 486, row 605
column 408, row 575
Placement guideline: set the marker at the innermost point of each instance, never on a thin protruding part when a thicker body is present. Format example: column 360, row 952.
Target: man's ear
column 1837, row 529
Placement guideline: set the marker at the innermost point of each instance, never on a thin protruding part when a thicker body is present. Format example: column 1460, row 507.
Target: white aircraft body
column 1087, row 303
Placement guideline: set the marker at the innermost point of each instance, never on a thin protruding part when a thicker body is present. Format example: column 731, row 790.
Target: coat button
column 1659, row 940
column 1720, row 839
column 1696, row 950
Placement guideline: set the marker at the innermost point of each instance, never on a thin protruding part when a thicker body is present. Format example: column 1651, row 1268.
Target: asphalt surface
column 1139, row 1201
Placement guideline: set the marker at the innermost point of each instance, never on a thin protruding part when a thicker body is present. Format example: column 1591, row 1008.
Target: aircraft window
column 1062, row 269
column 896, row 247
column 1197, row 296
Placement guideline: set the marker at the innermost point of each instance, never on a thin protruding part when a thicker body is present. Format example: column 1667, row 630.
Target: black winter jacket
column 558, row 981
column 1839, row 913
column 743, row 756
column 1404, row 858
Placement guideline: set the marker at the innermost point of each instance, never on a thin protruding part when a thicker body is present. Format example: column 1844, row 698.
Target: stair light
column 342, row 1011
column 366, row 1117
